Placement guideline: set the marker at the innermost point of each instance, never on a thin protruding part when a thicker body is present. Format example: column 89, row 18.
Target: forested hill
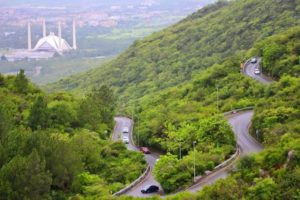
column 172, row 56
column 56, row 147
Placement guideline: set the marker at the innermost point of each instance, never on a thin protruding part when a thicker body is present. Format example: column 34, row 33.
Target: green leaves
column 97, row 109
column 21, row 82
column 264, row 189
column 25, row 178
column 39, row 114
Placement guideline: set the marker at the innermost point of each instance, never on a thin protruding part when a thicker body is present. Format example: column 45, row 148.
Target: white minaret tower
column 29, row 36
column 59, row 35
column 74, row 35
column 44, row 28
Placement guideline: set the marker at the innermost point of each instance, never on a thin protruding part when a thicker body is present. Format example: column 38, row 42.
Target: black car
column 150, row 189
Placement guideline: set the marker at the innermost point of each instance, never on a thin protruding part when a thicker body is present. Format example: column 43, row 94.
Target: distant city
column 103, row 30
column 105, row 20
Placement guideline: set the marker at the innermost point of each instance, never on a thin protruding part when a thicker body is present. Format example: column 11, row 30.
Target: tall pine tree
column 39, row 114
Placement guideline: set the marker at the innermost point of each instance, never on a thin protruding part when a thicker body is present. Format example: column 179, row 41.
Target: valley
column 207, row 108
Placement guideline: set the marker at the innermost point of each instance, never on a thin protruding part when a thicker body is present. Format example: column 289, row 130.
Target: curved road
column 122, row 122
column 240, row 123
column 249, row 71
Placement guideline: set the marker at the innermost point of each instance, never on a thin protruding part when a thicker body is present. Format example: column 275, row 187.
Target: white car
column 126, row 139
column 256, row 71
column 253, row 60
column 125, row 130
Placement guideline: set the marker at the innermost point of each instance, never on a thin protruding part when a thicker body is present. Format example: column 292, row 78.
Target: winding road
column 249, row 71
column 240, row 123
column 122, row 122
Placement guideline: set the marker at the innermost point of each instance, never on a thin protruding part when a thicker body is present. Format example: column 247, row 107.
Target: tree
column 223, row 189
column 2, row 80
column 62, row 161
column 168, row 173
column 21, row 82
column 62, row 114
column 264, row 189
column 25, row 178
column 39, row 114
column 5, row 121
column 215, row 130
column 97, row 110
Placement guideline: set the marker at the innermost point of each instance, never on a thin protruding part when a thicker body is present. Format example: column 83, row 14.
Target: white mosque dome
column 52, row 43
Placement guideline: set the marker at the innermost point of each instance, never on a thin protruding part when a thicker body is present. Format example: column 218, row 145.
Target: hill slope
column 173, row 55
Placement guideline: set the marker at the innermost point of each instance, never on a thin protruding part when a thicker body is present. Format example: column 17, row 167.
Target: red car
column 145, row 150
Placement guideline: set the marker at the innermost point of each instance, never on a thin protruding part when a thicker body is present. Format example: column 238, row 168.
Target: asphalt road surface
column 249, row 71
column 240, row 123
column 122, row 122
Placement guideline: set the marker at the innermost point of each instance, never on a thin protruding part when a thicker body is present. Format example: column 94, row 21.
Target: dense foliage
column 186, row 75
column 280, row 53
column 174, row 55
column 50, row 150
column 272, row 174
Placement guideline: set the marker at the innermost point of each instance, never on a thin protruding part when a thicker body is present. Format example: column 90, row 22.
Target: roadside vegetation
column 176, row 54
column 55, row 146
column 271, row 174
column 179, row 81
column 280, row 53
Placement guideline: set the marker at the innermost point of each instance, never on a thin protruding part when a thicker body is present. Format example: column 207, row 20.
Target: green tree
column 25, row 178
column 2, row 80
column 222, row 189
column 215, row 130
column 168, row 173
column 264, row 189
column 21, row 82
column 39, row 114
column 62, row 159
column 6, row 121
column 61, row 114
column 97, row 110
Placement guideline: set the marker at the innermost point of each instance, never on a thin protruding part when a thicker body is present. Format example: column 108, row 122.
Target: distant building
column 47, row 47
column 52, row 43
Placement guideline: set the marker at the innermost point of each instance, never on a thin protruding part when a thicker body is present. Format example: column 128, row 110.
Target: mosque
column 46, row 47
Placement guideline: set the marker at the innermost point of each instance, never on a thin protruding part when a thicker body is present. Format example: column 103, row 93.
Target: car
column 253, row 60
column 145, row 150
column 257, row 71
column 125, row 130
column 126, row 139
column 150, row 189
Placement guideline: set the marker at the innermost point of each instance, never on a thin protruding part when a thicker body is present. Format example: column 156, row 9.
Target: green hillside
column 176, row 83
column 55, row 147
column 186, row 75
column 174, row 55
column 280, row 54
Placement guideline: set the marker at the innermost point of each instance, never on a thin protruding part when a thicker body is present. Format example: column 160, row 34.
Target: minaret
column 44, row 28
column 29, row 36
column 59, row 35
column 74, row 35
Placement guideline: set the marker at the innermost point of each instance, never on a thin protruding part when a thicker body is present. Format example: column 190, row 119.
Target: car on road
column 257, row 71
column 253, row 60
column 126, row 139
column 150, row 189
column 125, row 130
column 145, row 150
